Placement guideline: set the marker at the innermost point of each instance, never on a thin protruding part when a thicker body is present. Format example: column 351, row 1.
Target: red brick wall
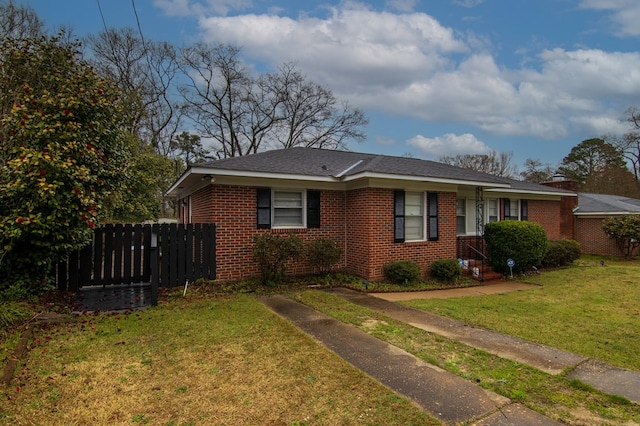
column 567, row 204
column 365, row 231
column 370, row 233
column 233, row 210
column 547, row 214
column 593, row 239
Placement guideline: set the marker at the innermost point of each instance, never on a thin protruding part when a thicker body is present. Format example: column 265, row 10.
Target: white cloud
column 625, row 14
column 354, row 48
column 402, row 5
column 408, row 64
column 199, row 8
column 449, row 144
column 468, row 3
column 599, row 125
column 384, row 141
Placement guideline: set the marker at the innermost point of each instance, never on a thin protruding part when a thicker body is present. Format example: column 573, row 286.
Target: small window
column 461, row 216
column 511, row 209
column 414, row 216
column 492, row 210
column 288, row 209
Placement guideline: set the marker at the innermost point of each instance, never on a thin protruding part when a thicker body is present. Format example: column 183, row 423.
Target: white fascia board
column 532, row 191
column 268, row 175
column 181, row 179
column 244, row 174
column 577, row 213
column 424, row 179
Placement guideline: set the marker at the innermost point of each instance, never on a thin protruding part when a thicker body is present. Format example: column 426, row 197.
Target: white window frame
column 513, row 203
column 462, row 201
column 419, row 215
column 302, row 208
column 487, row 218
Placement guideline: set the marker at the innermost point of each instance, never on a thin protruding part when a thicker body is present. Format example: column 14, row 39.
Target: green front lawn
column 589, row 309
column 198, row 361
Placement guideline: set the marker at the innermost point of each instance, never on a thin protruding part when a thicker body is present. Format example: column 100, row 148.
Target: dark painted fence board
column 166, row 255
column 137, row 254
column 107, row 272
column 127, row 238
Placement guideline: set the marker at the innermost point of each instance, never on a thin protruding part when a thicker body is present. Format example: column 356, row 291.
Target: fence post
column 155, row 269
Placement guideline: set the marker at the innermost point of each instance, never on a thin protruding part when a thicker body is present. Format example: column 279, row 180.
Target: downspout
column 339, row 177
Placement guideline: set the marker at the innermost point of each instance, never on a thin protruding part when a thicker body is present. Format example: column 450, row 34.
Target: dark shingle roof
column 326, row 163
column 605, row 203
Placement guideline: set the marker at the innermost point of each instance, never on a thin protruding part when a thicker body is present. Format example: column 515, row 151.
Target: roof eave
column 364, row 175
column 578, row 213
column 247, row 174
column 533, row 191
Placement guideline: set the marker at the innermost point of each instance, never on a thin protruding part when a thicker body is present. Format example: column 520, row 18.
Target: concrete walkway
column 607, row 378
column 480, row 290
column 446, row 396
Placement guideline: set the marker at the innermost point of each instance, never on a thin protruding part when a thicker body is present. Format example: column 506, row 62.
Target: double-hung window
column 461, row 216
column 511, row 209
column 493, row 211
column 412, row 214
column 288, row 208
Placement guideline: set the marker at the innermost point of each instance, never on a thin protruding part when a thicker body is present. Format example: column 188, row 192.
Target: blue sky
column 435, row 77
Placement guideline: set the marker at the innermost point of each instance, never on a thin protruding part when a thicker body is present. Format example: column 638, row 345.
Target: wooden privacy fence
column 164, row 255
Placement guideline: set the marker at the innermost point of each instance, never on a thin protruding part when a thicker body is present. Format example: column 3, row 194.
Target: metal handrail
column 479, row 252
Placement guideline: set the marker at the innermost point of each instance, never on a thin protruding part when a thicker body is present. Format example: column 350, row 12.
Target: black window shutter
column 264, row 208
column 506, row 208
column 524, row 208
column 432, row 206
column 313, row 209
column 398, row 215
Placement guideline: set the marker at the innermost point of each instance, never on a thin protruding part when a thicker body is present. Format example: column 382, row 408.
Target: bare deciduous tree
column 495, row 163
column 19, row 22
column 311, row 116
column 536, row 171
column 146, row 74
column 244, row 114
column 629, row 143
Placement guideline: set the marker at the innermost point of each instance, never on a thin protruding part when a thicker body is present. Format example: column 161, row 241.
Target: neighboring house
column 584, row 216
column 590, row 213
column 377, row 208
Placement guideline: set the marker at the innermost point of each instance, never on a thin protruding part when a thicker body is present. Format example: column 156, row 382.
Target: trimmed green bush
column 401, row 272
column 561, row 253
column 323, row 254
column 524, row 242
column 447, row 270
column 272, row 251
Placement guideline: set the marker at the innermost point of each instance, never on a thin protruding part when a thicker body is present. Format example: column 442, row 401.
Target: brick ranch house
column 589, row 211
column 377, row 208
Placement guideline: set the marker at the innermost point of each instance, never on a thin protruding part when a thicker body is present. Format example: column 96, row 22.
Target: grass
column 212, row 359
column 557, row 397
column 200, row 361
column 589, row 309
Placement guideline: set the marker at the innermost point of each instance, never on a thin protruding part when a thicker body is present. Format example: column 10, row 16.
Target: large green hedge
column 524, row 242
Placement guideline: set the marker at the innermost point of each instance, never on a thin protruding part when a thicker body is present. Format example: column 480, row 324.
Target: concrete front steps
column 476, row 270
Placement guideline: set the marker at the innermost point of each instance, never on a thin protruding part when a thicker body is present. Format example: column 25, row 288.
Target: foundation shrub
column 323, row 254
column 524, row 242
column 272, row 251
column 561, row 253
column 401, row 272
column 446, row 270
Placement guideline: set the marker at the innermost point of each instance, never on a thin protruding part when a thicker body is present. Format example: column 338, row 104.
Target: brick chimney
column 567, row 204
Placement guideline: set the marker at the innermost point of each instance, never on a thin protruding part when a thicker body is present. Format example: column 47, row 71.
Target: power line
column 135, row 12
column 104, row 24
